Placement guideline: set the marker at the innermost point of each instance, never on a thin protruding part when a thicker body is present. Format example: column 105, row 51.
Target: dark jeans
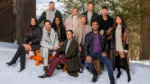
column 104, row 60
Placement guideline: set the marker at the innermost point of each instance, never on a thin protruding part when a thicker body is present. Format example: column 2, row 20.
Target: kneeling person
column 68, row 56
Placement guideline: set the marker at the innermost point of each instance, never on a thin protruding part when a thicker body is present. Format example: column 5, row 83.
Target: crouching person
column 96, row 48
column 49, row 43
column 68, row 56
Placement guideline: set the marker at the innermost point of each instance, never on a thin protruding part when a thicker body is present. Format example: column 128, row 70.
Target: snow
column 140, row 72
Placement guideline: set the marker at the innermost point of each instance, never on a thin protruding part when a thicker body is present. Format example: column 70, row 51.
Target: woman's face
column 33, row 22
column 118, row 20
column 57, row 21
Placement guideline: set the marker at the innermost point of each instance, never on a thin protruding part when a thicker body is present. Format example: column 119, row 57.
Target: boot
column 118, row 66
column 112, row 81
column 44, row 75
column 22, row 60
column 45, row 68
column 95, row 75
column 125, row 65
column 16, row 56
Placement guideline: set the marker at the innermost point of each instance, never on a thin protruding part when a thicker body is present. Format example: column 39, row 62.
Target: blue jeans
column 104, row 60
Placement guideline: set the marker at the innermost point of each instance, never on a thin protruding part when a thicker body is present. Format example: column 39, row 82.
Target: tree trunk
column 19, row 21
column 145, row 30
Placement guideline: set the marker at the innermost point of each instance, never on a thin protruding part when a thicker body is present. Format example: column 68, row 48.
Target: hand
column 102, row 32
column 104, row 54
column 88, row 59
column 79, row 48
column 55, row 48
column 30, row 43
column 126, row 51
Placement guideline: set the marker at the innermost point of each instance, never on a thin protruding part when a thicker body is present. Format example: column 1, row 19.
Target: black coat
column 89, row 43
column 43, row 16
column 106, row 24
column 95, row 16
column 35, row 37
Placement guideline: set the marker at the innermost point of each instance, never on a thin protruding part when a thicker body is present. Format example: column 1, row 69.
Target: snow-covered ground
column 140, row 72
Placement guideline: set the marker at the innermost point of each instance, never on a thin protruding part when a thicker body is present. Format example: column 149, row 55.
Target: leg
column 106, row 61
column 79, row 61
column 16, row 56
column 118, row 66
column 22, row 60
column 125, row 64
column 92, row 69
column 45, row 53
column 53, row 65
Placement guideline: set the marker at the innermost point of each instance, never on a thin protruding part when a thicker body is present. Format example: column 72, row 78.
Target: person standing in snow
column 32, row 42
column 49, row 14
column 79, row 35
column 68, row 56
column 120, row 41
column 96, row 48
column 72, row 21
column 49, row 43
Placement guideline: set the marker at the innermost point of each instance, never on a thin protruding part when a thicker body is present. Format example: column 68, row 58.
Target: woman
column 32, row 42
column 120, row 40
column 59, row 28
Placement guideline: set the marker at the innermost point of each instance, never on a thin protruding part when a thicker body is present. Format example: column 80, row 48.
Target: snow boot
column 125, row 65
column 95, row 76
column 16, row 56
column 22, row 60
column 118, row 66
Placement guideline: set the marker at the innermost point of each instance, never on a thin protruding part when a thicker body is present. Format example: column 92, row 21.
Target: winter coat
column 71, row 56
column 78, row 33
column 69, row 23
column 35, row 38
column 44, row 17
column 49, row 41
column 89, row 43
column 105, row 25
column 95, row 16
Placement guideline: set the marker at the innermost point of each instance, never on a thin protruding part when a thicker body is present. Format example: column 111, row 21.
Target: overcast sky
column 43, row 5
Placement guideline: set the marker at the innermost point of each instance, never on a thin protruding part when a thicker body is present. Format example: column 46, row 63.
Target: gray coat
column 49, row 41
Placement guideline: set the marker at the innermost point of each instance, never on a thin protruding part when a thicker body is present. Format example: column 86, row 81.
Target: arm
column 42, row 18
column 86, row 47
column 127, row 39
column 38, row 37
column 56, row 40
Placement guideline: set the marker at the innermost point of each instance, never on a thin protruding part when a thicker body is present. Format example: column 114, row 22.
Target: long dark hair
column 62, row 28
column 123, row 24
column 31, row 27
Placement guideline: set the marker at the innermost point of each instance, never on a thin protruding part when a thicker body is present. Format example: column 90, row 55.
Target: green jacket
column 43, row 16
column 71, row 56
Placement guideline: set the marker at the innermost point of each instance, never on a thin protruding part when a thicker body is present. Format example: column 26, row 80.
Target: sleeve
column 38, row 36
column 86, row 43
column 42, row 18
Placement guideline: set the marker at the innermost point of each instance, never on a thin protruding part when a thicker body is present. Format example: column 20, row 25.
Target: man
column 49, row 42
column 68, row 56
column 49, row 14
column 90, row 14
column 96, row 48
column 79, row 36
column 72, row 21
column 106, row 23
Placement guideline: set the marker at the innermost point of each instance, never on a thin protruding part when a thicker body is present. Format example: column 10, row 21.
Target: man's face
column 104, row 11
column 47, row 26
column 95, row 26
column 90, row 7
column 74, row 12
column 69, row 35
column 51, row 6
column 83, row 20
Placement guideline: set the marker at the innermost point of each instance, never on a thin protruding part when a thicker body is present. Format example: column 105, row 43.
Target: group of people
column 78, row 42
